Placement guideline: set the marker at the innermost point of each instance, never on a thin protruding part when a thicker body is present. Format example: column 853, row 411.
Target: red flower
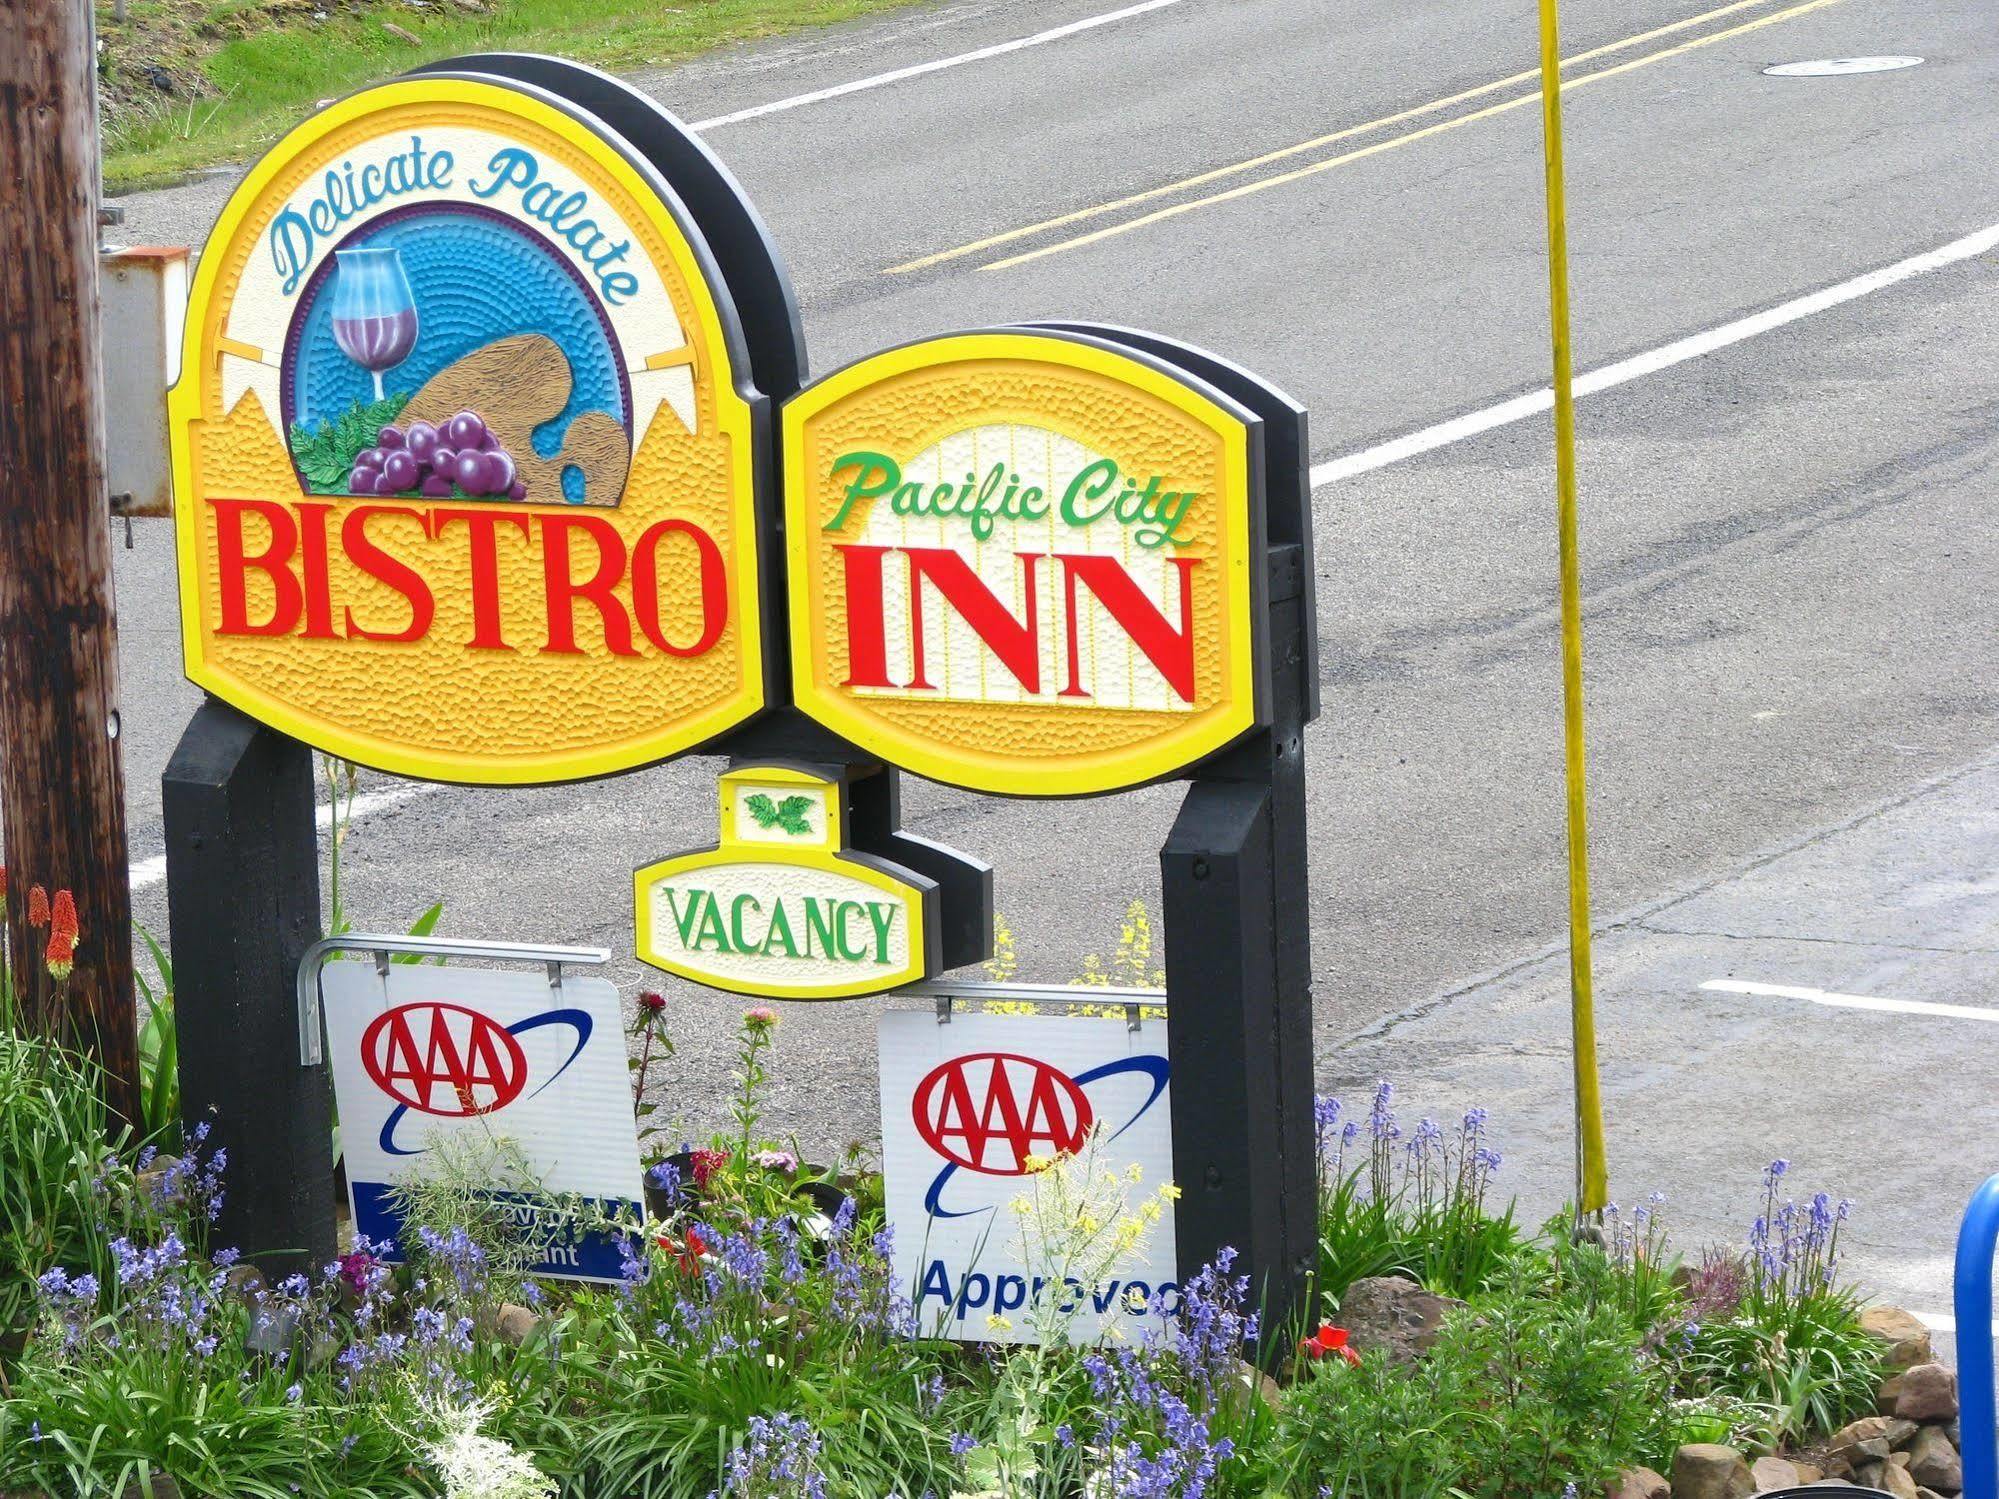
column 63, row 917
column 652, row 1000
column 1328, row 1339
column 687, row 1254
column 706, row 1163
column 38, row 906
column 61, row 955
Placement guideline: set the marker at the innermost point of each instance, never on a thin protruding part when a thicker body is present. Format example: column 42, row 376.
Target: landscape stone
column 1808, row 1473
column 1708, row 1470
column 1395, row 1316
column 1869, row 1437
column 1774, row 1473
column 1639, row 1483
column 1890, row 1392
column 1904, row 1341
column 515, row 1324
column 1934, row 1463
column 1897, row 1481
column 1928, row 1393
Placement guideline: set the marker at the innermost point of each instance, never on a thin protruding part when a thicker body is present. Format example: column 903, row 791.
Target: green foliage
column 1377, row 1431
column 325, row 454
column 1623, row 1263
column 159, row 1047
column 1521, row 1395
column 1805, row 1364
column 52, row 1154
column 248, row 73
column 1576, row 1356
column 1414, row 1207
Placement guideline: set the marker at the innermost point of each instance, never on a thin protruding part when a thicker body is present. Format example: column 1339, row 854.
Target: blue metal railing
column 1978, row 1417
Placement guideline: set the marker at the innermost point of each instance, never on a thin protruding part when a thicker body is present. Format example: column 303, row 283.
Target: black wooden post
column 242, row 907
column 1239, row 993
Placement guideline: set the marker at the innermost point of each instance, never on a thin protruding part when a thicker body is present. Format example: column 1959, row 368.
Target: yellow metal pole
column 1592, row 1176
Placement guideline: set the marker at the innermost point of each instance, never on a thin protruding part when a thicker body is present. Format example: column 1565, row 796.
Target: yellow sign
column 780, row 908
column 463, row 475
column 1022, row 563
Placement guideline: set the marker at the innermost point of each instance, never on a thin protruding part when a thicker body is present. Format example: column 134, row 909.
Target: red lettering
column 600, row 588
column 867, row 651
column 1014, row 641
column 714, row 586
column 312, row 554
column 232, row 565
column 1171, row 652
column 483, row 528
column 384, row 568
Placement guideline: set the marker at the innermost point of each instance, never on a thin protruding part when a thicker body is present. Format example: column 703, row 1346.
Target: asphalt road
column 1788, row 559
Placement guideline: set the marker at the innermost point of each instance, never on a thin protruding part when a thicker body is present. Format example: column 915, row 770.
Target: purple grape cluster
column 462, row 456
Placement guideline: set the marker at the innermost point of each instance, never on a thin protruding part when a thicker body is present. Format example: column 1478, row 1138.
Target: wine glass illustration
column 374, row 312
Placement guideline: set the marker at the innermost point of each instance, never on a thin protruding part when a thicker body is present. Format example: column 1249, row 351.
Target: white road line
column 1941, row 1321
column 1664, row 357
column 918, row 70
column 1853, row 1001
column 151, row 871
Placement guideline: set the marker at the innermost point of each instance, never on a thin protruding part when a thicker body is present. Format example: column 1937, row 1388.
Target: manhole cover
column 1834, row 67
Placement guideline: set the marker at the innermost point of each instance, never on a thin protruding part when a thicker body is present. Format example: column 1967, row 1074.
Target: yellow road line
column 1505, row 106
column 1217, row 173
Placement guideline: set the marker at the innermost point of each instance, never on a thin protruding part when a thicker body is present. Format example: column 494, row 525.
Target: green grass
column 189, row 83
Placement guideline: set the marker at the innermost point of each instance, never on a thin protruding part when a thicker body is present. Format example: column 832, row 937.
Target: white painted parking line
column 1664, row 357
column 151, row 871
column 1852, row 1001
column 918, row 70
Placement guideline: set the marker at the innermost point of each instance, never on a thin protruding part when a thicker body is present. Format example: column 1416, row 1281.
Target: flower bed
column 757, row 1345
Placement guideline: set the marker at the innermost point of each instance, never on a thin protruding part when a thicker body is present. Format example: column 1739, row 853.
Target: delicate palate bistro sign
column 781, row 908
column 464, row 476
column 1022, row 562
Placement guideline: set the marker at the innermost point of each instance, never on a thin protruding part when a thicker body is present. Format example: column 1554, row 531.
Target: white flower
column 474, row 1465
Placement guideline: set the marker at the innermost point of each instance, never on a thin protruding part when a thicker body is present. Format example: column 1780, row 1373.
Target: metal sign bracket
column 311, row 1045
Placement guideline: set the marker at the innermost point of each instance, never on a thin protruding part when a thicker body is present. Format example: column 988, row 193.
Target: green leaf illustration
column 787, row 816
column 325, row 454
column 791, row 814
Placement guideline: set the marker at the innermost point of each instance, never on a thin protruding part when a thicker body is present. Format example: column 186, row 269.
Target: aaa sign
column 463, row 473
column 1022, row 562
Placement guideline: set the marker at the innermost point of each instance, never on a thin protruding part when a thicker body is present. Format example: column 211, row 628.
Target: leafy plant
column 1520, row 1395
column 1415, row 1207
column 52, row 1157
column 1624, row 1263
column 1791, row 1344
column 159, row 1047
column 325, row 454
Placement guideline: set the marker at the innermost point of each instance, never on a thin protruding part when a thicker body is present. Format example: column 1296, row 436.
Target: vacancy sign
column 968, row 1108
column 426, row 1058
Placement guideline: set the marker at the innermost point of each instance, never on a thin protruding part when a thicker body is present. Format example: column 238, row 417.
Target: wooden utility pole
column 62, row 792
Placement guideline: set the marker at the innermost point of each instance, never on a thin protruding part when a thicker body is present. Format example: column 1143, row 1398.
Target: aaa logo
column 455, row 1063
column 444, row 1059
column 989, row 1113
